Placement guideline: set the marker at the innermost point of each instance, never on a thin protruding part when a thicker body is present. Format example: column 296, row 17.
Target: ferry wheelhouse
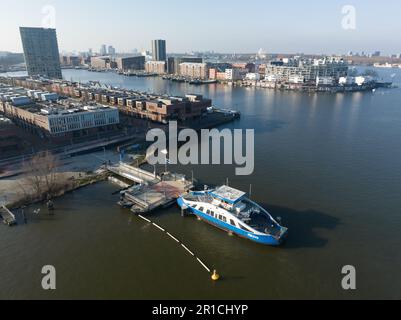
column 232, row 211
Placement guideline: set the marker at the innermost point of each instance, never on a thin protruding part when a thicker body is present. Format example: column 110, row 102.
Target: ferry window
column 224, row 219
column 212, row 213
column 245, row 228
column 208, row 212
column 201, row 209
column 220, row 217
column 194, row 206
column 232, row 223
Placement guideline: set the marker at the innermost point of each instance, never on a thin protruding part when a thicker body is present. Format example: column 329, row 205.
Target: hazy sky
column 310, row 26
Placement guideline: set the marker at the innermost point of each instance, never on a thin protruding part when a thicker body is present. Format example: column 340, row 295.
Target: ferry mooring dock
column 150, row 191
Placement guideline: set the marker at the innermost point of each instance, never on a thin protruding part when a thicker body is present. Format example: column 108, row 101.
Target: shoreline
column 77, row 185
column 304, row 87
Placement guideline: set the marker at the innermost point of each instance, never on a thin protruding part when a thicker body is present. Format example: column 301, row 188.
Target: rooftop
column 64, row 108
column 228, row 194
column 69, row 108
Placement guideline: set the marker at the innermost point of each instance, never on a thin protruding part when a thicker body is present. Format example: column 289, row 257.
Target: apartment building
column 56, row 119
column 158, row 67
column 41, row 52
column 173, row 63
column 154, row 107
column 194, row 70
column 131, row 63
column 308, row 69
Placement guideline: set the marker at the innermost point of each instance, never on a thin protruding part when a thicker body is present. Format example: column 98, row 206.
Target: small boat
column 232, row 211
column 195, row 82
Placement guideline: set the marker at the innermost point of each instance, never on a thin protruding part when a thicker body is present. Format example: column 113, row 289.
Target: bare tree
column 42, row 176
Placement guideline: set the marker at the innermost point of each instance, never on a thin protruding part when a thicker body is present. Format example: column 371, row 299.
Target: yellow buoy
column 215, row 276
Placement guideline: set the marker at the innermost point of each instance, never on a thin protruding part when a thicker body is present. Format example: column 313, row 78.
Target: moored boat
column 232, row 211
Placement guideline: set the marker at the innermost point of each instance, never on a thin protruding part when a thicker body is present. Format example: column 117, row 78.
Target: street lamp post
column 165, row 152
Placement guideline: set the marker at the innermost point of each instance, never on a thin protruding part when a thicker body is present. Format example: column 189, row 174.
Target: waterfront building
column 216, row 74
column 297, row 79
column 251, row 67
column 41, row 52
column 131, row 63
column 173, row 63
column 213, row 74
column 154, row 107
column 271, row 78
column 261, row 69
column 309, row 69
column 194, row 70
column 44, row 116
column 235, row 74
column 220, row 75
column 325, row 81
column 159, row 52
column 252, row 76
column 102, row 63
column 71, row 61
column 158, row 67
column 163, row 109
column 217, row 71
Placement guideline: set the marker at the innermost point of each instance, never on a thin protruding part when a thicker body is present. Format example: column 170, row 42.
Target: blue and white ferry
column 232, row 211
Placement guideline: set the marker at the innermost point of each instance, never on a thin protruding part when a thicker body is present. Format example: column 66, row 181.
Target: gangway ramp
column 134, row 174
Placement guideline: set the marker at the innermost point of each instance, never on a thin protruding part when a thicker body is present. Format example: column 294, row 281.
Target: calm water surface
column 329, row 165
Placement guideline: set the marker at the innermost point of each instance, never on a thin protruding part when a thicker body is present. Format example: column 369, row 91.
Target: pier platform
column 150, row 191
column 145, row 199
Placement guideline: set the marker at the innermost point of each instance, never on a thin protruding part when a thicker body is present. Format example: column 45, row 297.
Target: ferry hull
column 261, row 239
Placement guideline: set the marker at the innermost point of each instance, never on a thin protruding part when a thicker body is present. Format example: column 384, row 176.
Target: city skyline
column 237, row 29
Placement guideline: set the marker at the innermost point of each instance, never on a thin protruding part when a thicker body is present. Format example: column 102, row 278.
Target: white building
column 65, row 118
column 346, row 81
column 87, row 117
column 252, row 76
column 271, row 78
column 324, row 81
column 297, row 79
column 310, row 69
